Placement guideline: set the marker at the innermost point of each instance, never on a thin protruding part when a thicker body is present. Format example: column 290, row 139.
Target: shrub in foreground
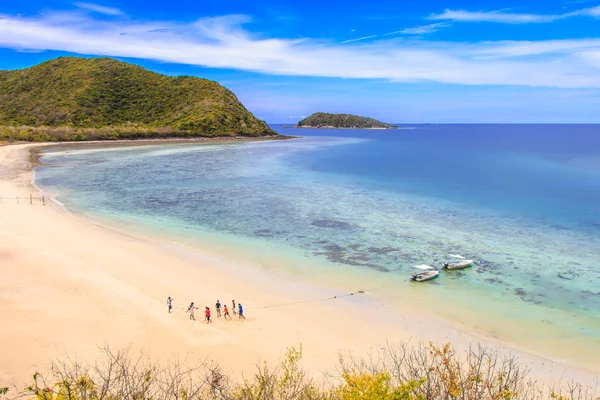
column 396, row 372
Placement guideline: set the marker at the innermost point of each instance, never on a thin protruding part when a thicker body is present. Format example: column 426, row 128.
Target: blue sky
column 399, row 61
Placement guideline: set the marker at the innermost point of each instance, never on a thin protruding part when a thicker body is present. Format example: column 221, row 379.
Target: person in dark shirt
column 218, row 308
column 169, row 303
column 233, row 308
column 241, row 311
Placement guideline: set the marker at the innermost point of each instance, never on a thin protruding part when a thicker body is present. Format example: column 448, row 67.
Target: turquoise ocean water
column 366, row 205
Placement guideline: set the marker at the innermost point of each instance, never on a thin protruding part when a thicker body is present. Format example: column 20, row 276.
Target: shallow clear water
column 520, row 200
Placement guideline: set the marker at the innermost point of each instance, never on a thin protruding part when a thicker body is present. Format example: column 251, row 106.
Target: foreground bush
column 398, row 372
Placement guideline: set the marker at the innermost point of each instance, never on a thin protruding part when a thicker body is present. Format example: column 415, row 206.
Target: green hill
column 348, row 121
column 105, row 98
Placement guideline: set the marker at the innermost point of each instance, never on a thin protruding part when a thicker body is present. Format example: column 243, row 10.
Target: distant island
column 73, row 98
column 345, row 121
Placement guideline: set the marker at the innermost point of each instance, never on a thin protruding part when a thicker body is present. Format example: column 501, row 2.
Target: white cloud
column 492, row 16
column 421, row 30
column 509, row 18
column 223, row 43
column 359, row 39
column 557, row 49
column 593, row 12
column 100, row 9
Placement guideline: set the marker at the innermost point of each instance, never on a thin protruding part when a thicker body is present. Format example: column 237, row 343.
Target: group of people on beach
column 191, row 309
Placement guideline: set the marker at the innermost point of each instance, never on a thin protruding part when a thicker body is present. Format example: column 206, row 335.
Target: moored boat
column 427, row 273
column 458, row 265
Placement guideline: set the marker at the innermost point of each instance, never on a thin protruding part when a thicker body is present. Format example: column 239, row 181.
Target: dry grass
column 399, row 372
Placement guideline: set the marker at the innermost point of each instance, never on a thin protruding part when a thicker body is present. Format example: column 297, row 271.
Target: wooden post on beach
column 30, row 199
column 43, row 201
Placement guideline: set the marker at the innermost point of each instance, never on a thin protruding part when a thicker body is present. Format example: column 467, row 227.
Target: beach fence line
column 30, row 200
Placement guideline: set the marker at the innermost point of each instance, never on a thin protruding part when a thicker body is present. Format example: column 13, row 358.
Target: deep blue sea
column 521, row 200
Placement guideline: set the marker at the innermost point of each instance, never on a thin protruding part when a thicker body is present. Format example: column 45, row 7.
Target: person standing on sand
column 218, row 308
column 226, row 312
column 241, row 311
column 191, row 309
column 169, row 303
column 207, row 315
column 233, row 308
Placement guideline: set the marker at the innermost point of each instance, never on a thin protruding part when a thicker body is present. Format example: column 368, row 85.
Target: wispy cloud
column 359, row 39
column 421, row 30
column 509, row 18
column 418, row 30
column 224, row 43
column 493, row 16
column 593, row 12
column 100, row 9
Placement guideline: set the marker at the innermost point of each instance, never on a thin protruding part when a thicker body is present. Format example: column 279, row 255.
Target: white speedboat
column 458, row 265
column 427, row 273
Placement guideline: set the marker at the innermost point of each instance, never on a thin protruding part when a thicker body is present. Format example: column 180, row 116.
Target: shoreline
column 34, row 152
column 335, row 127
column 268, row 331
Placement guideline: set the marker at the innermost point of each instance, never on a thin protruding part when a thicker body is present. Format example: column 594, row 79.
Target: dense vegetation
column 71, row 98
column 398, row 372
column 325, row 120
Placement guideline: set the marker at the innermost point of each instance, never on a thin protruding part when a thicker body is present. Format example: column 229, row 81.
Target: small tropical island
column 342, row 121
column 78, row 99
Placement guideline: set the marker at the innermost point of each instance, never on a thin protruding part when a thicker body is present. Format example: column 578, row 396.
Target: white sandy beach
column 68, row 286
